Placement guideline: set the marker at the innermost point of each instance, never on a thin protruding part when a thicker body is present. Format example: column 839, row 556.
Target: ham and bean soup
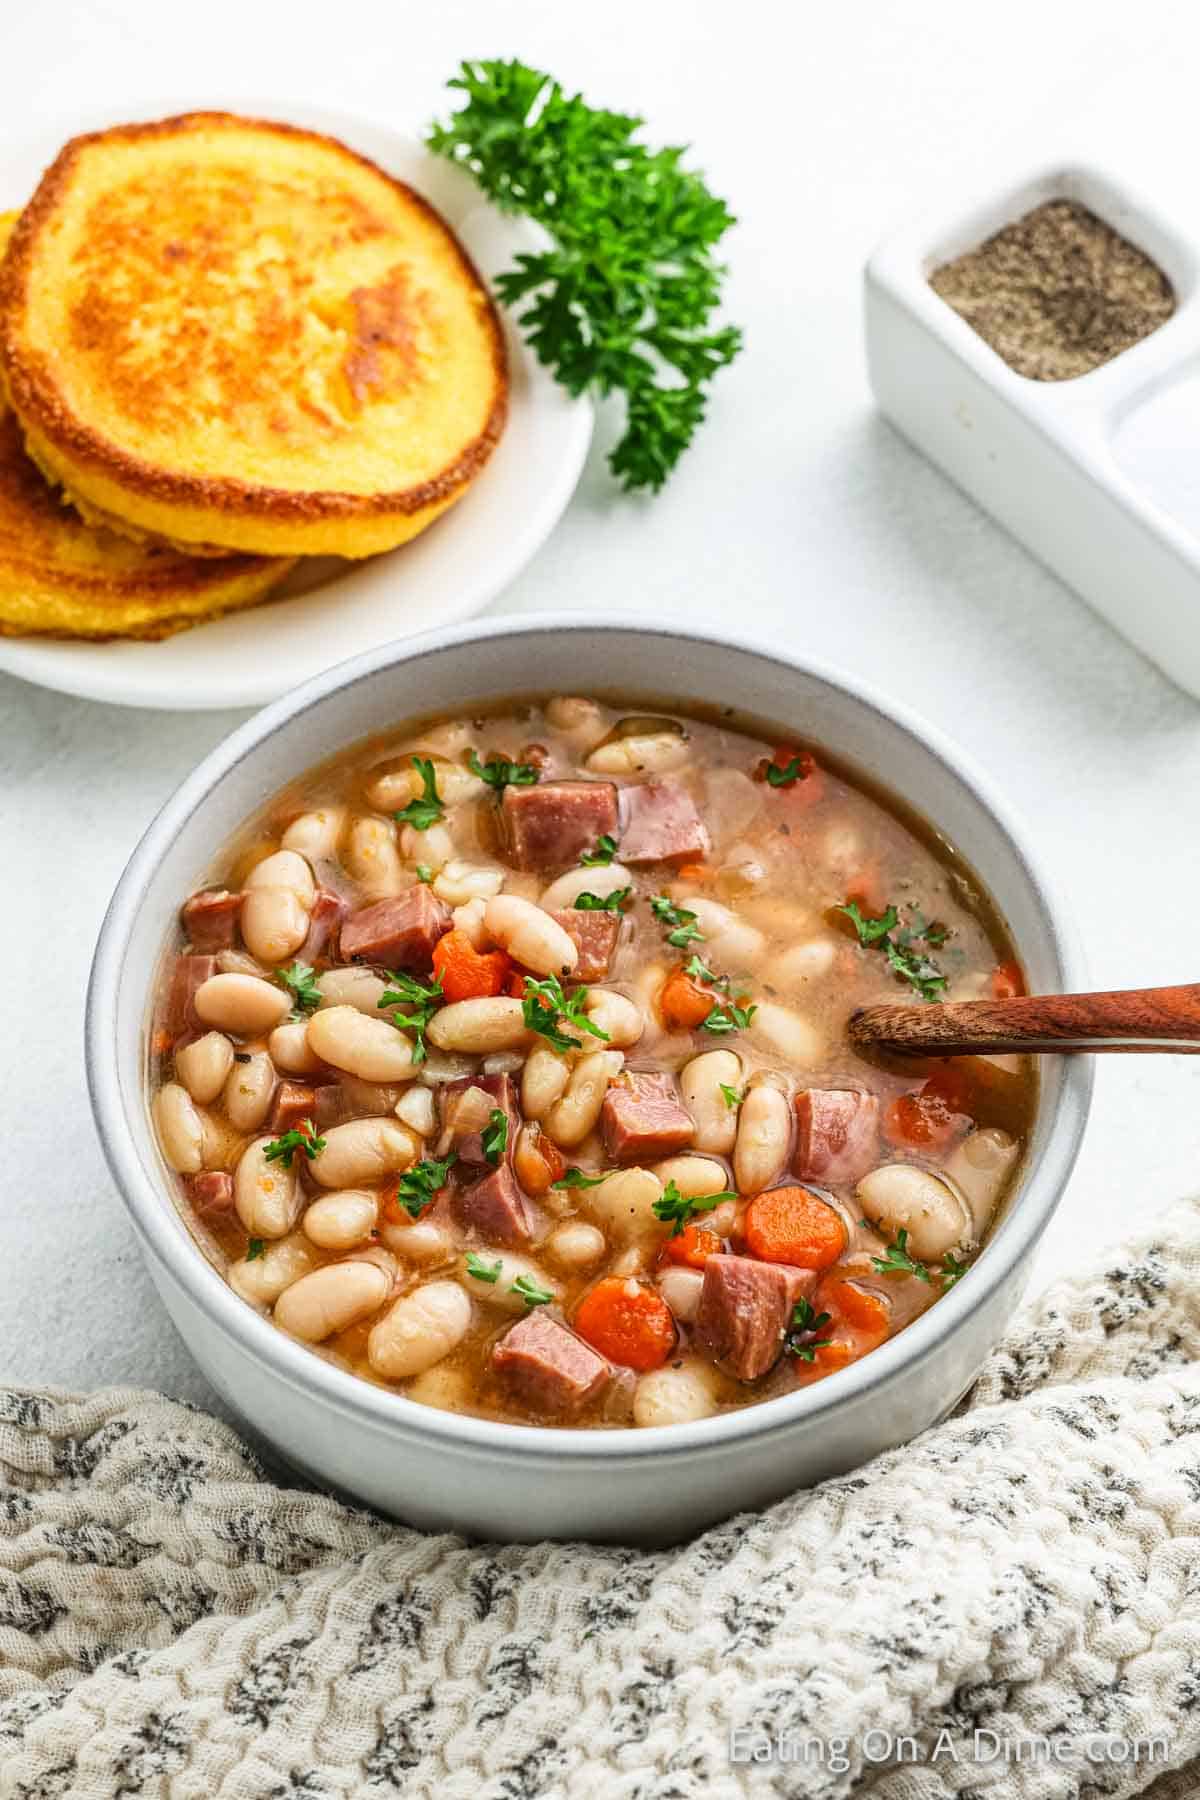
column 504, row 1061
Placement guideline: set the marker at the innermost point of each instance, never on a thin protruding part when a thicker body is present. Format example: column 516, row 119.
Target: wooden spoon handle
column 1134, row 1019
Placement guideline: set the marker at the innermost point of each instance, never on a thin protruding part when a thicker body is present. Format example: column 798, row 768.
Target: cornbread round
column 60, row 577
column 238, row 335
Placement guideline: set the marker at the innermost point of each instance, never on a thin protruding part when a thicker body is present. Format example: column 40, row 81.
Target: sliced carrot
column 684, row 1002
column 925, row 1119
column 1008, row 983
column 866, row 1311
column 693, row 871
column 866, row 889
column 537, row 1162
column 857, row 1324
column 793, row 1225
column 465, row 972
column 693, row 1247
column 808, row 785
column 629, row 1324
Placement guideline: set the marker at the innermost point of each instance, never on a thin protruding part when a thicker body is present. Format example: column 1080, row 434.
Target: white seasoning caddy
column 1099, row 475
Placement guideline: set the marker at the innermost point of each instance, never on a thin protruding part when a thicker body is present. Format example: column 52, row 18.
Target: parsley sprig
column 575, row 1178
column 727, row 1016
column 602, row 855
column 588, row 902
column 546, row 1009
column 423, row 997
column 494, row 1136
column 899, row 945
column 802, row 1339
column 678, row 1210
column 422, row 1184
column 684, row 930
column 484, row 1271
column 499, row 773
column 530, row 1292
column 427, row 811
column 897, row 1261
column 730, row 1096
column 622, row 301
column 799, row 768
column 301, row 982
column 952, row 1270
column 304, row 1137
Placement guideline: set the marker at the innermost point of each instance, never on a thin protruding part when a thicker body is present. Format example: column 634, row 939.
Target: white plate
column 339, row 608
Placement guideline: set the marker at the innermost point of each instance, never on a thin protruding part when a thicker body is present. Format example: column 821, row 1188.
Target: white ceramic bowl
column 514, row 1481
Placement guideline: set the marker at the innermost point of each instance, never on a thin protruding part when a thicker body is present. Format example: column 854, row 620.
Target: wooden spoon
column 1130, row 1020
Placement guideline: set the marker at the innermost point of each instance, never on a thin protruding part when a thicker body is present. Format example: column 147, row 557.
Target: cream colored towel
column 1023, row 1580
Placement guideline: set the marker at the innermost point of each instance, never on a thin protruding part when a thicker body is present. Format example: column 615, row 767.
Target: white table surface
column 799, row 512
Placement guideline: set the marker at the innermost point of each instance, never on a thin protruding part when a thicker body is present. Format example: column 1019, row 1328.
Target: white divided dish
column 1098, row 475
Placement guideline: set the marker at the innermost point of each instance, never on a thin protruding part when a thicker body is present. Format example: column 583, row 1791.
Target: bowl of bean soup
column 468, row 1039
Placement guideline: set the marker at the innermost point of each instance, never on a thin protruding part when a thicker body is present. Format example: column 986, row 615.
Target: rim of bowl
column 158, row 1224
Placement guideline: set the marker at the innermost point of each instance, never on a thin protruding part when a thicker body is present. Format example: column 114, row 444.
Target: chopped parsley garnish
column 424, row 873
column 613, row 902
column 575, row 1178
column 254, row 1249
column 422, row 1184
column 424, row 997
column 547, row 1008
column 282, row 1149
column 700, row 971
column 499, row 773
column 677, row 1210
column 727, row 1016
column 798, row 769
column 730, row 1095
column 684, row 930
column 602, row 855
column 897, row 1261
column 952, row 1270
column 483, row 1271
column 530, row 1292
column 898, row 945
column 494, row 1136
column 423, row 813
column 802, row 1339
column 301, row 981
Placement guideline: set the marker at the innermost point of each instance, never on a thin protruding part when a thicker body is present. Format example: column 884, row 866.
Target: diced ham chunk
column 211, row 1193
column 293, row 1103
column 838, row 1134
column 642, row 1119
column 179, row 1013
column 661, row 824
column 328, row 911
column 496, row 1208
column 548, row 826
column 595, row 937
column 210, row 919
column 745, row 1310
column 551, row 1370
column 466, row 1107
column 400, row 933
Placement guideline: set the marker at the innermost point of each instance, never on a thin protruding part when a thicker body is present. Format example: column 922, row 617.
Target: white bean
column 278, row 897
column 680, row 1288
column 654, row 753
column 500, row 1292
column 364, row 1150
column 316, row 834
column 575, row 1115
column 469, row 920
column 392, row 788
column 331, row 1299
column 263, row 1278
column 763, row 1138
column 729, row 940
column 415, row 1108
column 694, row 1176
column 700, row 1084
column 503, row 1062
column 562, row 894
column 352, row 987
column 443, row 1386
column 674, row 1395
column 544, row 1081
column 372, row 1049
column 434, row 847
column 616, row 1014
column 248, row 1091
column 786, row 1033
column 290, row 1050
column 576, row 1245
column 530, row 935
column 341, row 1220
column 266, row 1194
column 244, row 1004
column 203, row 1065
column 900, row 1196
column 180, row 1129
column 580, row 721
column 461, row 881
column 419, row 1329
column 810, row 961
column 420, row 1241
column 490, row 1023
column 623, row 1206
column 979, row 1168
column 372, row 858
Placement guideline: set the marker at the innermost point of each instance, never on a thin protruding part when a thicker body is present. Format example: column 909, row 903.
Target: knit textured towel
column 174, row 1625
